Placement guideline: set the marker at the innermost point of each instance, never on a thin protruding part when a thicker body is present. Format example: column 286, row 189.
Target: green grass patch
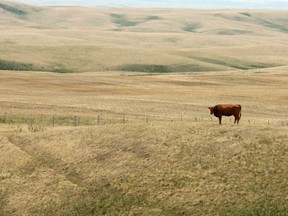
column 154, row 68
column 246, row 14
column 122, row 21
column 151, row 17
column 192, row 26
column 18, row 66
column 233, row 32
column 149, row 68
column 11, row 9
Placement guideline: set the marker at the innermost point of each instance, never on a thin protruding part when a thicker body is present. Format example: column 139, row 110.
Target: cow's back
column 227, row 109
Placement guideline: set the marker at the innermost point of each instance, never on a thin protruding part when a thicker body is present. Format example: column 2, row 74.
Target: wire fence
column 38, row 122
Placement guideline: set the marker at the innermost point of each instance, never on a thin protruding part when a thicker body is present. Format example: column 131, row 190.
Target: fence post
column 30, row 125
column 249, row 121
column 41, row 119
column 75, row 121
column 5, row 117
column 53, row 121
column 98, row 120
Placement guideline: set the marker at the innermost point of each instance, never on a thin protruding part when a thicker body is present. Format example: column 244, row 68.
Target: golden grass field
column 139, row 83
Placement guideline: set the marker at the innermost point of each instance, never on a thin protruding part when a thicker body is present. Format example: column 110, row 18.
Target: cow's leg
column 235, row 119
column 239, row 117
column 220, row 119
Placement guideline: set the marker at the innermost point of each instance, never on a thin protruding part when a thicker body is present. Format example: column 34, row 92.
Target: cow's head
column 211, row 110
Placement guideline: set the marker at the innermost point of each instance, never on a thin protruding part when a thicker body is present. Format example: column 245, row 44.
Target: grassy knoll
column 156, row 169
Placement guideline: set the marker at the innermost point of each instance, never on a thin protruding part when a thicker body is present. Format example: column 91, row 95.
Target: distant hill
column 224, row 22
column 79, row 39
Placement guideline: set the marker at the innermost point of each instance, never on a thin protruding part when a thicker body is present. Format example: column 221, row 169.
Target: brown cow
column 226, row 110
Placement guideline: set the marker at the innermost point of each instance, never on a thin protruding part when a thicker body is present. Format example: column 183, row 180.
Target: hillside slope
column 156, row 169
column 223, row 22
column 79, row 39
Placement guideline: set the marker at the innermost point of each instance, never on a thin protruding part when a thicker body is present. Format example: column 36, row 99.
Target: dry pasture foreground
column 157, row 167
column 151, row 169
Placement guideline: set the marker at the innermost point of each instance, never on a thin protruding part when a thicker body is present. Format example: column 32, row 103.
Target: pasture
column 140, row 83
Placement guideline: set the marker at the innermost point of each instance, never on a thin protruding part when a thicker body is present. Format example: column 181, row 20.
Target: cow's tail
column 240, row 112
column 240, row 115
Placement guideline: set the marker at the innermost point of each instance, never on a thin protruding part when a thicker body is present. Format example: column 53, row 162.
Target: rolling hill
column 80, row 39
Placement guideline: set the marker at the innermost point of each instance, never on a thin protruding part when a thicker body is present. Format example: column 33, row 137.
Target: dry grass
column 158, row 70
column 171, row 96
column 156, row 169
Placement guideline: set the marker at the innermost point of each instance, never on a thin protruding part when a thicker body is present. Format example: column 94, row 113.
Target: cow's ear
column 209, row 108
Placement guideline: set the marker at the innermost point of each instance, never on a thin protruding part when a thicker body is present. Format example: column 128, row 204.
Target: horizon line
column 223, row 4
